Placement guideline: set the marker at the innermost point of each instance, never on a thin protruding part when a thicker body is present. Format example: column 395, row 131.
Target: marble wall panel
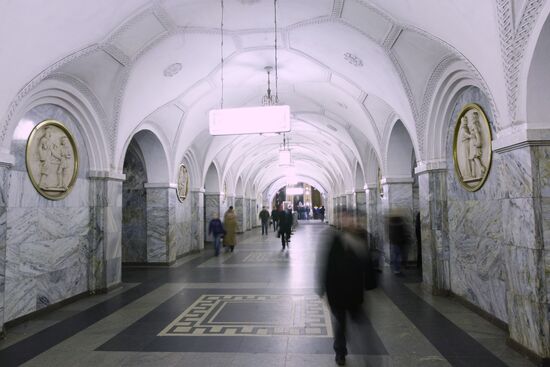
column 162, row 246
column 239, row 212
column 475, row 227
column 5, row 175
column 361, row 208
column 197, row 220
column 134, row 212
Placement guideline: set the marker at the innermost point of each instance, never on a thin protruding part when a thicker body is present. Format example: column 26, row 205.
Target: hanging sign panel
column 250, row 120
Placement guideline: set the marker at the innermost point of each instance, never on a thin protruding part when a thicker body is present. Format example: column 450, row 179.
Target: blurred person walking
column 285, row 227
column 264, row 218
column 215, row 228
column 275, row 219
column 399, row 240
column 342, row 276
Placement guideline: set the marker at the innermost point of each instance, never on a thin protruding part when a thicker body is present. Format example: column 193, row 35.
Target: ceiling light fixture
column 268, row 118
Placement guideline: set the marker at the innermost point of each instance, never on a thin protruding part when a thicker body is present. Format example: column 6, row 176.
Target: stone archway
column 212, row 197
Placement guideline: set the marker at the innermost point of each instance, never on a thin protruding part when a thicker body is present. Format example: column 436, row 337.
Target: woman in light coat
column 230, row 225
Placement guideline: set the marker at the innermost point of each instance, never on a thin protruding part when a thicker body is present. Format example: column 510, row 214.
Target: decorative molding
column 116, row 53
column 429, row 93
column 83, row 88
column 519, row 136
column 107, row 175
column 172, row 69
column 353, row 59
column 513, row 42
column 164, row 18
column 391, row 37
column 160, row 185
column 338, row 8
column 36, row 80
column 432, row 165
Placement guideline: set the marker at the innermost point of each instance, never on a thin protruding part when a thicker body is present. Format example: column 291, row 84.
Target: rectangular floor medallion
column 253, row 315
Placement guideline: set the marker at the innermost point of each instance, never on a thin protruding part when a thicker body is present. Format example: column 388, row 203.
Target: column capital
column 197, row 190
column 397, row 180
column 431, row 165
column 160, row 185
column 106, row 175
column 520, row 136
column 7, row 159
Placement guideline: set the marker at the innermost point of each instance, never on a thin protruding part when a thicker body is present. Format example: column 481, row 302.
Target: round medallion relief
column 52, row 159
column 183, row 183
column 472, row 151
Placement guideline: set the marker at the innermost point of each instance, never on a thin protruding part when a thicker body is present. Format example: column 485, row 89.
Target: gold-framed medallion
column 472, row 150
column 183, row 183
column 52, row 159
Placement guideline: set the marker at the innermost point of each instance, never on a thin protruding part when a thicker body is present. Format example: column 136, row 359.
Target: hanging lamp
column 268, row 118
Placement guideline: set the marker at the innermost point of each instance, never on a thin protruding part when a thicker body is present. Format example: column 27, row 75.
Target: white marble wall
column 524, row 176
column 105, row 243
column 477, row 266
column 197, row 219
column 161, row 224
column 4, row 189
column 249, row 211
column 239, row 208
column 434, row 229
column 361, row 208
column 51, row 247
column 211, row 205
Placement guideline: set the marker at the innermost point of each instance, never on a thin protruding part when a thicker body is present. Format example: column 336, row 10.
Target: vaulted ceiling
column 349, row 69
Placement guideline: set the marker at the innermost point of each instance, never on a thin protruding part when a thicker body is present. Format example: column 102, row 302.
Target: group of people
column 226, row 230
column 282, row 223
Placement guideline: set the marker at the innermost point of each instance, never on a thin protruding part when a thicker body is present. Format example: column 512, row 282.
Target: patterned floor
column 254, row 307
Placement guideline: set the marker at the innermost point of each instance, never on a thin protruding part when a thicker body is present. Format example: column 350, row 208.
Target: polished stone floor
column 254, row 307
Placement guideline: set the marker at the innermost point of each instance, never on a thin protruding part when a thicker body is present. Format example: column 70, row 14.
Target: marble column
column 334, row 211
column 434, row 228
column 105, row 245
column 249, row 214
column 161, row 222
column 254, row 213
column 4, row 189
column 398, row 198
column 212, row 202
column 524, row 177
column 240, row 213
column 196, row 196
column 361, row 208
column 350, row 205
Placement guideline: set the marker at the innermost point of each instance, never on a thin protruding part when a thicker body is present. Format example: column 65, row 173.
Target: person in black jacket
column 342, row 277
column 275, row 219
column 285, row 226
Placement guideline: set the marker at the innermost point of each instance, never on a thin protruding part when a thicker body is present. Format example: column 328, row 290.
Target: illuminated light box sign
column 294, row 191
column 250, row 120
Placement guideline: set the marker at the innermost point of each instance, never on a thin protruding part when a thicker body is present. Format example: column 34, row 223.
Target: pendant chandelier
column 285, row 159
column 268, row 118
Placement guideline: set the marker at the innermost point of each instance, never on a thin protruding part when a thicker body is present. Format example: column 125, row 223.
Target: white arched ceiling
column 212, row 180
column 348, row 70
column 400, row 150
column 155, row 156
column 359, row 178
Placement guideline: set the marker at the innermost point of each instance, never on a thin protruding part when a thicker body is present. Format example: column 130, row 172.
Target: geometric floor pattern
column 256, row 306
column 253, row 315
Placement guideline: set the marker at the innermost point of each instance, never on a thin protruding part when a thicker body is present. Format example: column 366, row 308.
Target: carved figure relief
column 183, row 183
column 472, row 150
column 52, row 159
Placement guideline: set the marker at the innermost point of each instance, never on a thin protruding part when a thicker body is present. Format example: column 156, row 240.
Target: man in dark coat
column 342, row 278
column 285, row 226
column 264, row 218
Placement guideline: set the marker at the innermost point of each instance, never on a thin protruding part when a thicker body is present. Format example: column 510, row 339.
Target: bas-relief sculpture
column 52, row 159
column 183, row 183
column 472, row 147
